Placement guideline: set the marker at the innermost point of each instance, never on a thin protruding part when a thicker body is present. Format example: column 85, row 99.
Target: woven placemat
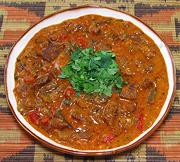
column 17, row 15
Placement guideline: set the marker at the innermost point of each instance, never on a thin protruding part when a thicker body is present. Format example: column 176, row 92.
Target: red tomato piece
column 108, row 138
column 63, row 37
column 82, row 42
column 45, row 120
column 69, row 91
column 140, row 124
column 29, row 79
column 33, row 117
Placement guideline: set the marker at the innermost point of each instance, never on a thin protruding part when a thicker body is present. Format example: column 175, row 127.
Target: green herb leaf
column 93, row 72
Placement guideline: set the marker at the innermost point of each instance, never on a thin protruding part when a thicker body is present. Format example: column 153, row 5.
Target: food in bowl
column 91, row 83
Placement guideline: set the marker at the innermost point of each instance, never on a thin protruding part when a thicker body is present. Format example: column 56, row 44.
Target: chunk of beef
column 110, row 112
column 100, row 99
column 152, row 95
column 58, row 123
column 49, row 92
column 96, row 99
column 94, row 28
column 127, row 106
column 50, row 52
column 125, row 122
column 137, row 37
column 77, row 116
column 147, row 83
column 83, row 103
column 96, row 115
column 84, row 135
column 71, row 27
column 103, row 46
column 129, row 92
column 42, row 79
column 150, row 85
column 81, row 133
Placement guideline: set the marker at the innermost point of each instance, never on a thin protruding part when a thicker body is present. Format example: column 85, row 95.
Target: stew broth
column 90, row 122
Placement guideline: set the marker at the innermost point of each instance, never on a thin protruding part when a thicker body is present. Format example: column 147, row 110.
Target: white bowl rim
column 75, row 13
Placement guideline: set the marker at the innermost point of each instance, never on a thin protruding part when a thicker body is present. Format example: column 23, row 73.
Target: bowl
column 71, row 14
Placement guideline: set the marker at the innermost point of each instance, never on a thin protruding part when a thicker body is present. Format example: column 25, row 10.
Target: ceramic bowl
column 71, row 14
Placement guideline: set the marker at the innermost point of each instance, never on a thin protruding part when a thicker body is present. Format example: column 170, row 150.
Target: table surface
column 17, row 15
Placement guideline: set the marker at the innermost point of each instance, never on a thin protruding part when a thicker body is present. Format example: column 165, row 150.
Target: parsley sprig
column 93, row 72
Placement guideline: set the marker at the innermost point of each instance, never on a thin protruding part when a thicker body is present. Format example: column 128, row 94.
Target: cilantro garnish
column 93, row 72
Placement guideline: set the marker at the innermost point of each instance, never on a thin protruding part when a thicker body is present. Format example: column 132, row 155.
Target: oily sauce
column 90, row 122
